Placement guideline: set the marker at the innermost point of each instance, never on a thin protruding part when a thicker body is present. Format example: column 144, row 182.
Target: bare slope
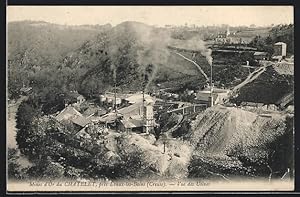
column 220, row 130
column 270, row 86
column 238, row 142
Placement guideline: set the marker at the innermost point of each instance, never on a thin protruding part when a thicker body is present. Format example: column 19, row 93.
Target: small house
column 218, row 95
column 74, row 98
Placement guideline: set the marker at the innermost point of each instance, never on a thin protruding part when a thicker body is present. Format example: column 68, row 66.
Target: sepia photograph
column 150, row 98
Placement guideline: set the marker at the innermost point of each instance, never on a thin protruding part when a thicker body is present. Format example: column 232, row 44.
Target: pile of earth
column 270, row 87
column 146, row 157
column 230, row 141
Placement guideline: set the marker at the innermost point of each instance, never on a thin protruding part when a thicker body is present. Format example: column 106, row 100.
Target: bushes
column 14, row 169
column 27, row 138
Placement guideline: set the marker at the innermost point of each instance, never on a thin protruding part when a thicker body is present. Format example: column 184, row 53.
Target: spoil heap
column 152, row 159
column 247, row 142
column 270, row 86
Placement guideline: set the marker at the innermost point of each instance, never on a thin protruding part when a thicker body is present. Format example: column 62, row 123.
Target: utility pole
column 211, row 88
column 144, row 113
column 143, row 103
column 115, row 103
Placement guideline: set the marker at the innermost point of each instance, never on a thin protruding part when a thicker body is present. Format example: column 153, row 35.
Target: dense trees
column 29, row 136
column 15, row 171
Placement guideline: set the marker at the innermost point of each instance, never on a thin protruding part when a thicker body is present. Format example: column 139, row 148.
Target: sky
column 155, row 15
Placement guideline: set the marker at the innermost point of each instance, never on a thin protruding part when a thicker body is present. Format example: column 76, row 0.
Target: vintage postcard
column 150, row 98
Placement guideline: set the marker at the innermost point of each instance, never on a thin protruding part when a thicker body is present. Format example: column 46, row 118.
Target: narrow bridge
column 189, row 109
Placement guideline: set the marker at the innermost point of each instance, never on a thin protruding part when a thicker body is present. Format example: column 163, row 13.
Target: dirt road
column 11, row 131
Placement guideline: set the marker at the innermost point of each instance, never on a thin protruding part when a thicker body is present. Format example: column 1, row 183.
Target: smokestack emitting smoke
column 114, row 70
column 152, row 49
column 153, row 52
column 149, row 74
column 197, row 44
column 208, row 56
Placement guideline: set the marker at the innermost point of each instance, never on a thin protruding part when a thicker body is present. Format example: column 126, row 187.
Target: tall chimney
column 143, row 107
column 211, row 88
column 115, row 103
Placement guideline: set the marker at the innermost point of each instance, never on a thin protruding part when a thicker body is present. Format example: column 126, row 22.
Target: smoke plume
column 152, row 51
column 152, row 48
column 207, row 54
column 194, row 44
column 114, row 72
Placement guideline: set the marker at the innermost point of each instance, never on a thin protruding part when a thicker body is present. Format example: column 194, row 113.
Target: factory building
column 218, row 96
column 138, row 116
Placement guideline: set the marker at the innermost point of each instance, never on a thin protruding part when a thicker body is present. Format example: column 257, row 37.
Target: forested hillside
column 55, row 59
column 86, row 58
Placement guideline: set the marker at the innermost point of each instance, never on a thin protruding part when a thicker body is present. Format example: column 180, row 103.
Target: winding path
column 197, row 65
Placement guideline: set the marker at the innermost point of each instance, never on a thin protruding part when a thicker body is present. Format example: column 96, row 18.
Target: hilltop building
column 228, row 37
column 279, row 51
